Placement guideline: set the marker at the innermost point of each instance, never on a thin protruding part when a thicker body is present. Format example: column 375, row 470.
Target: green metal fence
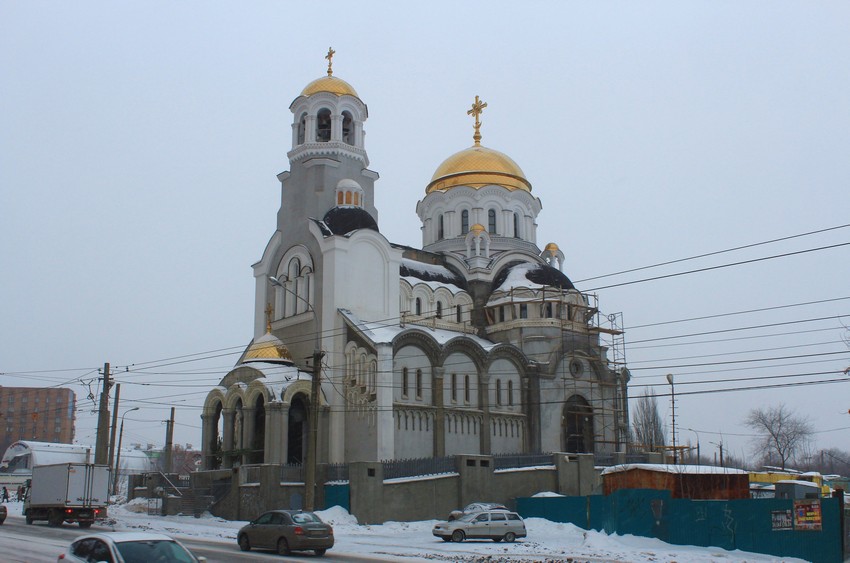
column 808, row 530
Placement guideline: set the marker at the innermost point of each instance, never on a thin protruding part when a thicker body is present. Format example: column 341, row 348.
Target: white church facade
column 476, row 343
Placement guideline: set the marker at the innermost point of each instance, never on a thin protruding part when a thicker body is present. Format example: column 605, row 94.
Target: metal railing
column 398, row 468
column 511, row 461
column 292, row 473
column 337, row 472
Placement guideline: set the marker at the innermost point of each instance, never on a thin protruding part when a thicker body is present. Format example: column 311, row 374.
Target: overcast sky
column 140, row 144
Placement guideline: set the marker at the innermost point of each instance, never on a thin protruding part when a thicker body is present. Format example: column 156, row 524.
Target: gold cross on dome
column 477, row 110
column 330, row 57
column 269, row 311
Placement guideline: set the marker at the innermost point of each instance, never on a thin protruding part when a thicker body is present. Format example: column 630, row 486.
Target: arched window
column 418, row 306
column 491, row 221
column 454, row 387
column 439, row 310
column 516, row 225
column 458, row 314
column 510, row 393
column 466, row 388
column 323, row 126
column 347, row 128
column 440, row 230
column 404, row 382
column 498, row 391
column 419, row 384
column 464, row 221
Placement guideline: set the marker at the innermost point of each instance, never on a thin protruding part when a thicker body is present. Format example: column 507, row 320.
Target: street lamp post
column 673, row 395
column 315, row 388
column 118, row 454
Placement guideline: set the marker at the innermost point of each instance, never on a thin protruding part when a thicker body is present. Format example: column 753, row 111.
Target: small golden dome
column 552, row 247
column 478, row 228
column 477, row 167
column 267, row 347
column 330, row 84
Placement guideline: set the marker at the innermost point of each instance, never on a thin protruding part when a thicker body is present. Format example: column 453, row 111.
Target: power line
column 720, row 266
column 667, row 263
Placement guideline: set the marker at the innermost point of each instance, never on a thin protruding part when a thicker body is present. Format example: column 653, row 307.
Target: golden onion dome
column 477, row 167
column 477, row 228
column 329, row 83
column 267, row 347
column 552, row 247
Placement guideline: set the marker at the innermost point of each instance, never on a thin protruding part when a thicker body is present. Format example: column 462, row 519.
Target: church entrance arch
column 258, row 440
column 215, row 441
column 297, row 431
column 577, row 426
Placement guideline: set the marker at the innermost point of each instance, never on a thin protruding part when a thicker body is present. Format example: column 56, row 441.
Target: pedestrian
column 20, row 493
column 5, row 497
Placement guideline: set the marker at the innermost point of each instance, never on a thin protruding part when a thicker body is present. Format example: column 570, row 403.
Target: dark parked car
column 476, row 507
column 496, row 525
column 285, row 531
column 2, row 513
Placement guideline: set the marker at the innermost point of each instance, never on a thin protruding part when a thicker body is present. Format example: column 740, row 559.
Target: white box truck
column 67, row 492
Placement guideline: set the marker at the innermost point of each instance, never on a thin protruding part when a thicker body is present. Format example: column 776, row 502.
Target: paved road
column 39, row 543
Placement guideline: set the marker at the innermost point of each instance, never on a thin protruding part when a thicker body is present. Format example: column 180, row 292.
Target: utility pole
column 114, row 424
column 101, row 452
column 169, row 436
column 313, row 446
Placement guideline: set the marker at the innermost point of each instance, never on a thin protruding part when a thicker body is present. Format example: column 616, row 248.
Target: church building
column 475, row 343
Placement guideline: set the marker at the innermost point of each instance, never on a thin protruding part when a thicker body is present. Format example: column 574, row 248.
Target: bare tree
column 782, row 434
column 648, row 428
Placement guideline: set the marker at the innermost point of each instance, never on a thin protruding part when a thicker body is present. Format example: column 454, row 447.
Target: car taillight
column 61, row 557
column 299, row 531
column 68, row 511
column 96, row 511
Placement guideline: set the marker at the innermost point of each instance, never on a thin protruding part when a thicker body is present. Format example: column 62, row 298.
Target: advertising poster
column 807, row 515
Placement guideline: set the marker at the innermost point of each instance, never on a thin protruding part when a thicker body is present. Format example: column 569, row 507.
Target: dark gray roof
column 343, row 220
column 541, row 274
column 432, row 273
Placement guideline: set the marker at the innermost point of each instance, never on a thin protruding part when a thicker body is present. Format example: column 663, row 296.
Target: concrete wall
column 374, row 500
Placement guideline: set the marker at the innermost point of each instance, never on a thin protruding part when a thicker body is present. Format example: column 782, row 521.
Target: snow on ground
column 412, row 541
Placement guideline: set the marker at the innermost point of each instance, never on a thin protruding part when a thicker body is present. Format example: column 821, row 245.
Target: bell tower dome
column 328, row 160
column 328, row 119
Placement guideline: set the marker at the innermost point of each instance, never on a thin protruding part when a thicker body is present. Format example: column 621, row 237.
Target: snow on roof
column 382, row 333
column 532, row 276
column 278, row 374
column 799, row 482
column 415, row 272
column 677, row 469
column 46, row 453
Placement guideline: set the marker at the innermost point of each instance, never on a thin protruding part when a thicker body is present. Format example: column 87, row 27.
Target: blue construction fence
column 806, row 529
